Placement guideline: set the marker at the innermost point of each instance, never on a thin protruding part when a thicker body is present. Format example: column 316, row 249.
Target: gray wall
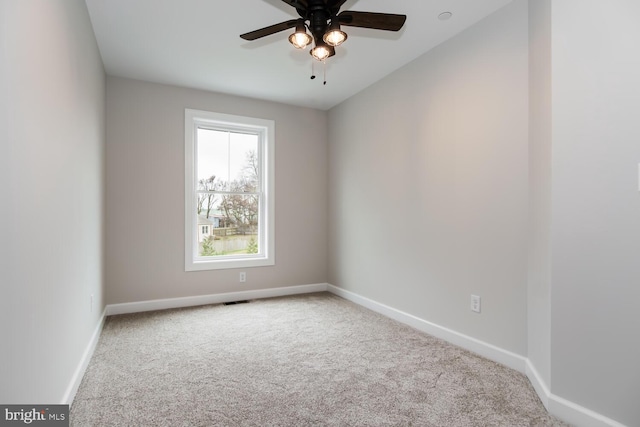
column 595, row 333
column 52, row 132
column 145, row 194
column 539, row 238
column 477, row 169
column 429, row 181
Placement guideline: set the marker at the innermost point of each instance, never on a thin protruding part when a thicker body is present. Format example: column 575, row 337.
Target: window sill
column 220, row 264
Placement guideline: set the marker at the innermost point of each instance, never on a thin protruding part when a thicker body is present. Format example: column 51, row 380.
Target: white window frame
column 265, row 129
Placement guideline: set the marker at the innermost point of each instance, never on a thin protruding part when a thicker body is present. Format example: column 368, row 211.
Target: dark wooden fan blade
column 376, row 21
column 298, row 4
column 272, row 29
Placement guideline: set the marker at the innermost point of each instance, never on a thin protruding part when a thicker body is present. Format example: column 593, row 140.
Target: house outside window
column 229, row 177
column 204, row 233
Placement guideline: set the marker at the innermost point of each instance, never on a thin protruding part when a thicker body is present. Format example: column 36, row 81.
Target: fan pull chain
column 324, row 72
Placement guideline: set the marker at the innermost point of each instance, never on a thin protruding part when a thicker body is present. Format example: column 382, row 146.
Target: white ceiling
column 196, row 44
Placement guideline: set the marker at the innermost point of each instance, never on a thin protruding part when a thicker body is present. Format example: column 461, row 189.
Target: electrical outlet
column 475, row 303
column 243, row 277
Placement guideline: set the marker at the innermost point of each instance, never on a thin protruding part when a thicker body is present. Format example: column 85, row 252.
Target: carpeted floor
column 310, row 360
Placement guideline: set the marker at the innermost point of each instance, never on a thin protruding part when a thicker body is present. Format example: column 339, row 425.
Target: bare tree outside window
column 206, row 200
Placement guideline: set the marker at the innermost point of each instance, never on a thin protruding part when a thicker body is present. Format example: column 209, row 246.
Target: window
column 229, row 179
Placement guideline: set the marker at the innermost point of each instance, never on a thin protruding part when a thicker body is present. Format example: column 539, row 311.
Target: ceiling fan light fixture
column 334, row 36
column 319, row 23
column 300, row 39
column 320, row 52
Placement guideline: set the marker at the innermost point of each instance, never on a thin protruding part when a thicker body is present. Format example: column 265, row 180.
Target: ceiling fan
column 323, row 19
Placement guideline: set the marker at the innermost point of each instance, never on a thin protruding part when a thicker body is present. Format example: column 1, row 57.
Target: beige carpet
column 311, row 360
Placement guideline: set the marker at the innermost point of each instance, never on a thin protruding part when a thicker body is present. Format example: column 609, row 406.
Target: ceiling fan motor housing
column 318, row 16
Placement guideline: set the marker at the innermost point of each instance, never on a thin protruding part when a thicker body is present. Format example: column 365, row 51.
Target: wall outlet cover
column 475, row 303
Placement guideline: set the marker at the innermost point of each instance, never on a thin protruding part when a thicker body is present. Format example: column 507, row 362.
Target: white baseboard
column 484, row 349
column 163, row 304
column 578, row 415
column 558, row 406
column 564, row 409
column 76, row 379
column 538, row 384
